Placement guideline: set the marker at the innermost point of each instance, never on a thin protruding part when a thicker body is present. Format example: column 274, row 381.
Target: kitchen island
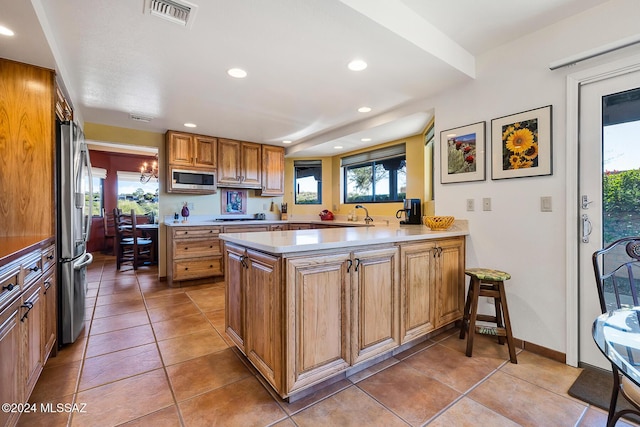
column 306, row 306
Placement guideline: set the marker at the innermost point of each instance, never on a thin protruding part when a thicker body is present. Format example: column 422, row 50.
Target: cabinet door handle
column 357, row 263
column 350, row 263
column 34, row 269
column 9, row 287
column 28, row 305
column 50, row 257
column 186, row 249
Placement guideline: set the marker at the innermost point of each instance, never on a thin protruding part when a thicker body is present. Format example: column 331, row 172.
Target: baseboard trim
column 541, row 351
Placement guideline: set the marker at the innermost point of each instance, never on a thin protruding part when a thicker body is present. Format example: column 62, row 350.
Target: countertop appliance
column 74, row 198
column 412, row 212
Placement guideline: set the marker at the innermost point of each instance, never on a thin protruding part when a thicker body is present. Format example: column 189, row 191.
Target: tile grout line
column 164, row 366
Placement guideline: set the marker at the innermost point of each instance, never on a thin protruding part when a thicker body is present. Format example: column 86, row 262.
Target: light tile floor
column 156, row 356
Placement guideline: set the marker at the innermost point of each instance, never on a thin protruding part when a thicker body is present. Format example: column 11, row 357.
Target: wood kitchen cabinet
column 11, row 386
column 432, row 285
column 239, row 164
column 318, row 318
column 417, row 289
column 190, row 150
column 194, row 252
column 375, row 295
column 50, row 303
column 254, row 317
column 449, row 279
column 11, row 349
column 272, row 171
column 234, row 294
column 32, row 318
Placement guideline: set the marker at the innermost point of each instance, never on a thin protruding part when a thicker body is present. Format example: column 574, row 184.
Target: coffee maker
column 412, row 212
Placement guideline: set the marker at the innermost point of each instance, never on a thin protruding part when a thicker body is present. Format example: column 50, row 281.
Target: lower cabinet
column 253, row 318
column 318, row 302
column 375, row 298
column 193, row 252
column 328, row 311
column 50, row 303
column 32, row 321
column 28, row 325
column 449, row 279
column 11, row 385
column 263, row 337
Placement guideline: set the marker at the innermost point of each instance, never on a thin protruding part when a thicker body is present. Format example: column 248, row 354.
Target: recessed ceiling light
column 364, row 109
column 190, row 125
column 238, row 73
column 286, row 141
column 365, row 139
column 5, row 31
column 357, row 65
column 337, row 147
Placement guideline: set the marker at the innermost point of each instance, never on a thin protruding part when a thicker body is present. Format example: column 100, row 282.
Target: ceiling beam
column 397, row 17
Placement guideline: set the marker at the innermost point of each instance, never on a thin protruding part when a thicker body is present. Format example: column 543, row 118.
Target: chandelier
column 148, row 171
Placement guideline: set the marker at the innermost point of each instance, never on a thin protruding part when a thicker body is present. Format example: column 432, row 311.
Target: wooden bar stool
column 487, row 283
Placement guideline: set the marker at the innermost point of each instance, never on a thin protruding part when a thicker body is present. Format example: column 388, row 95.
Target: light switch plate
column 545, row 204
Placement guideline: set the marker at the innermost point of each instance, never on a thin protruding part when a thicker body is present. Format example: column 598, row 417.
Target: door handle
column 586, row 228
column 586, row 202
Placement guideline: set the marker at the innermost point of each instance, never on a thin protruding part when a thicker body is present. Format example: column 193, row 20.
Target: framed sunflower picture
column 462, row 156
column 521, row 144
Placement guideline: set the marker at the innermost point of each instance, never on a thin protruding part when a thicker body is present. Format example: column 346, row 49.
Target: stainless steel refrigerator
column 74, row 198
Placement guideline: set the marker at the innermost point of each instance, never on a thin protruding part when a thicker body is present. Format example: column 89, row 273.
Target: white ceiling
column 115, row 60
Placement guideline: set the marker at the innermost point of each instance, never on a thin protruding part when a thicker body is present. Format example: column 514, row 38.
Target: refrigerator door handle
column 85, row 171
column 86, row 260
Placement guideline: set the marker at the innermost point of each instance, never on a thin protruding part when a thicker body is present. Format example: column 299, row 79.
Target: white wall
column 515, row 236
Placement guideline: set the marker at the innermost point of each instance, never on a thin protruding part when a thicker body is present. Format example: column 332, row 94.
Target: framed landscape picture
column 462, row 157
column 521, row 144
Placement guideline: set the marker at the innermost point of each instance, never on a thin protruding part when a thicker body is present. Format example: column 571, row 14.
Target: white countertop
column 281, row 242
column 209, row 220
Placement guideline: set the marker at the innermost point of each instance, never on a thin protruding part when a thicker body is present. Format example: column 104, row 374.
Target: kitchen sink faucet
column 367, row 218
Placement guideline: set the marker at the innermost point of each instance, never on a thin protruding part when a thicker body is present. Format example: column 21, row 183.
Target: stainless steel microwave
column 192, row 180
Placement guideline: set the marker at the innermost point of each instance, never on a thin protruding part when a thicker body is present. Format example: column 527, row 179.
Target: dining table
column 617, row 335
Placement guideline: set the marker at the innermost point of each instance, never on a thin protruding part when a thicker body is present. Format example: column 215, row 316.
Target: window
column 132, row 194
column 308, row 182
column 378, row 176
column 99, row 175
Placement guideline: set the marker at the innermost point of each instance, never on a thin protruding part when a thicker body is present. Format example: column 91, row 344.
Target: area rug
column 594, row 387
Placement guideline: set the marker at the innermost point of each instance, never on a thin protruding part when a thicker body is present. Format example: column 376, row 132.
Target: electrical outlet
column 470, row 205
column 486, row 204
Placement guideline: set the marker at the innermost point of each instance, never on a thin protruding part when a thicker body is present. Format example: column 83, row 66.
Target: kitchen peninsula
column 305, row 306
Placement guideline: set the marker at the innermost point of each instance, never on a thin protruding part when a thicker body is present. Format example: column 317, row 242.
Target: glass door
column 609, row 186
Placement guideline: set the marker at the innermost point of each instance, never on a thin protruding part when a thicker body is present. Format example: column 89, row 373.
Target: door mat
column 594, row 387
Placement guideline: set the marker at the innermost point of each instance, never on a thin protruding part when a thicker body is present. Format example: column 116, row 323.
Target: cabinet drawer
column 196, row 232
column 245, row 228
column 9, row 283
column 195, row 269
column 31, row 268
column 191, row 248
column 48, row 257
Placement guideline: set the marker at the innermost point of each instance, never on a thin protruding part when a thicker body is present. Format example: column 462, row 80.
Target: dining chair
column 617, row 272
column 130, row 246
column 109, row 225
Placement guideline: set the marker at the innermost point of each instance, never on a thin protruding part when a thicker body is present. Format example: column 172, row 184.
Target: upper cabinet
column 240, row 164
column 27, row 144
column 191, row 150
column 272, row 171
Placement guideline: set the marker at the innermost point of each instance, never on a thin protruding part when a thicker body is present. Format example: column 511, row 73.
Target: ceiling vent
column 140, row 118
column 177, row 11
